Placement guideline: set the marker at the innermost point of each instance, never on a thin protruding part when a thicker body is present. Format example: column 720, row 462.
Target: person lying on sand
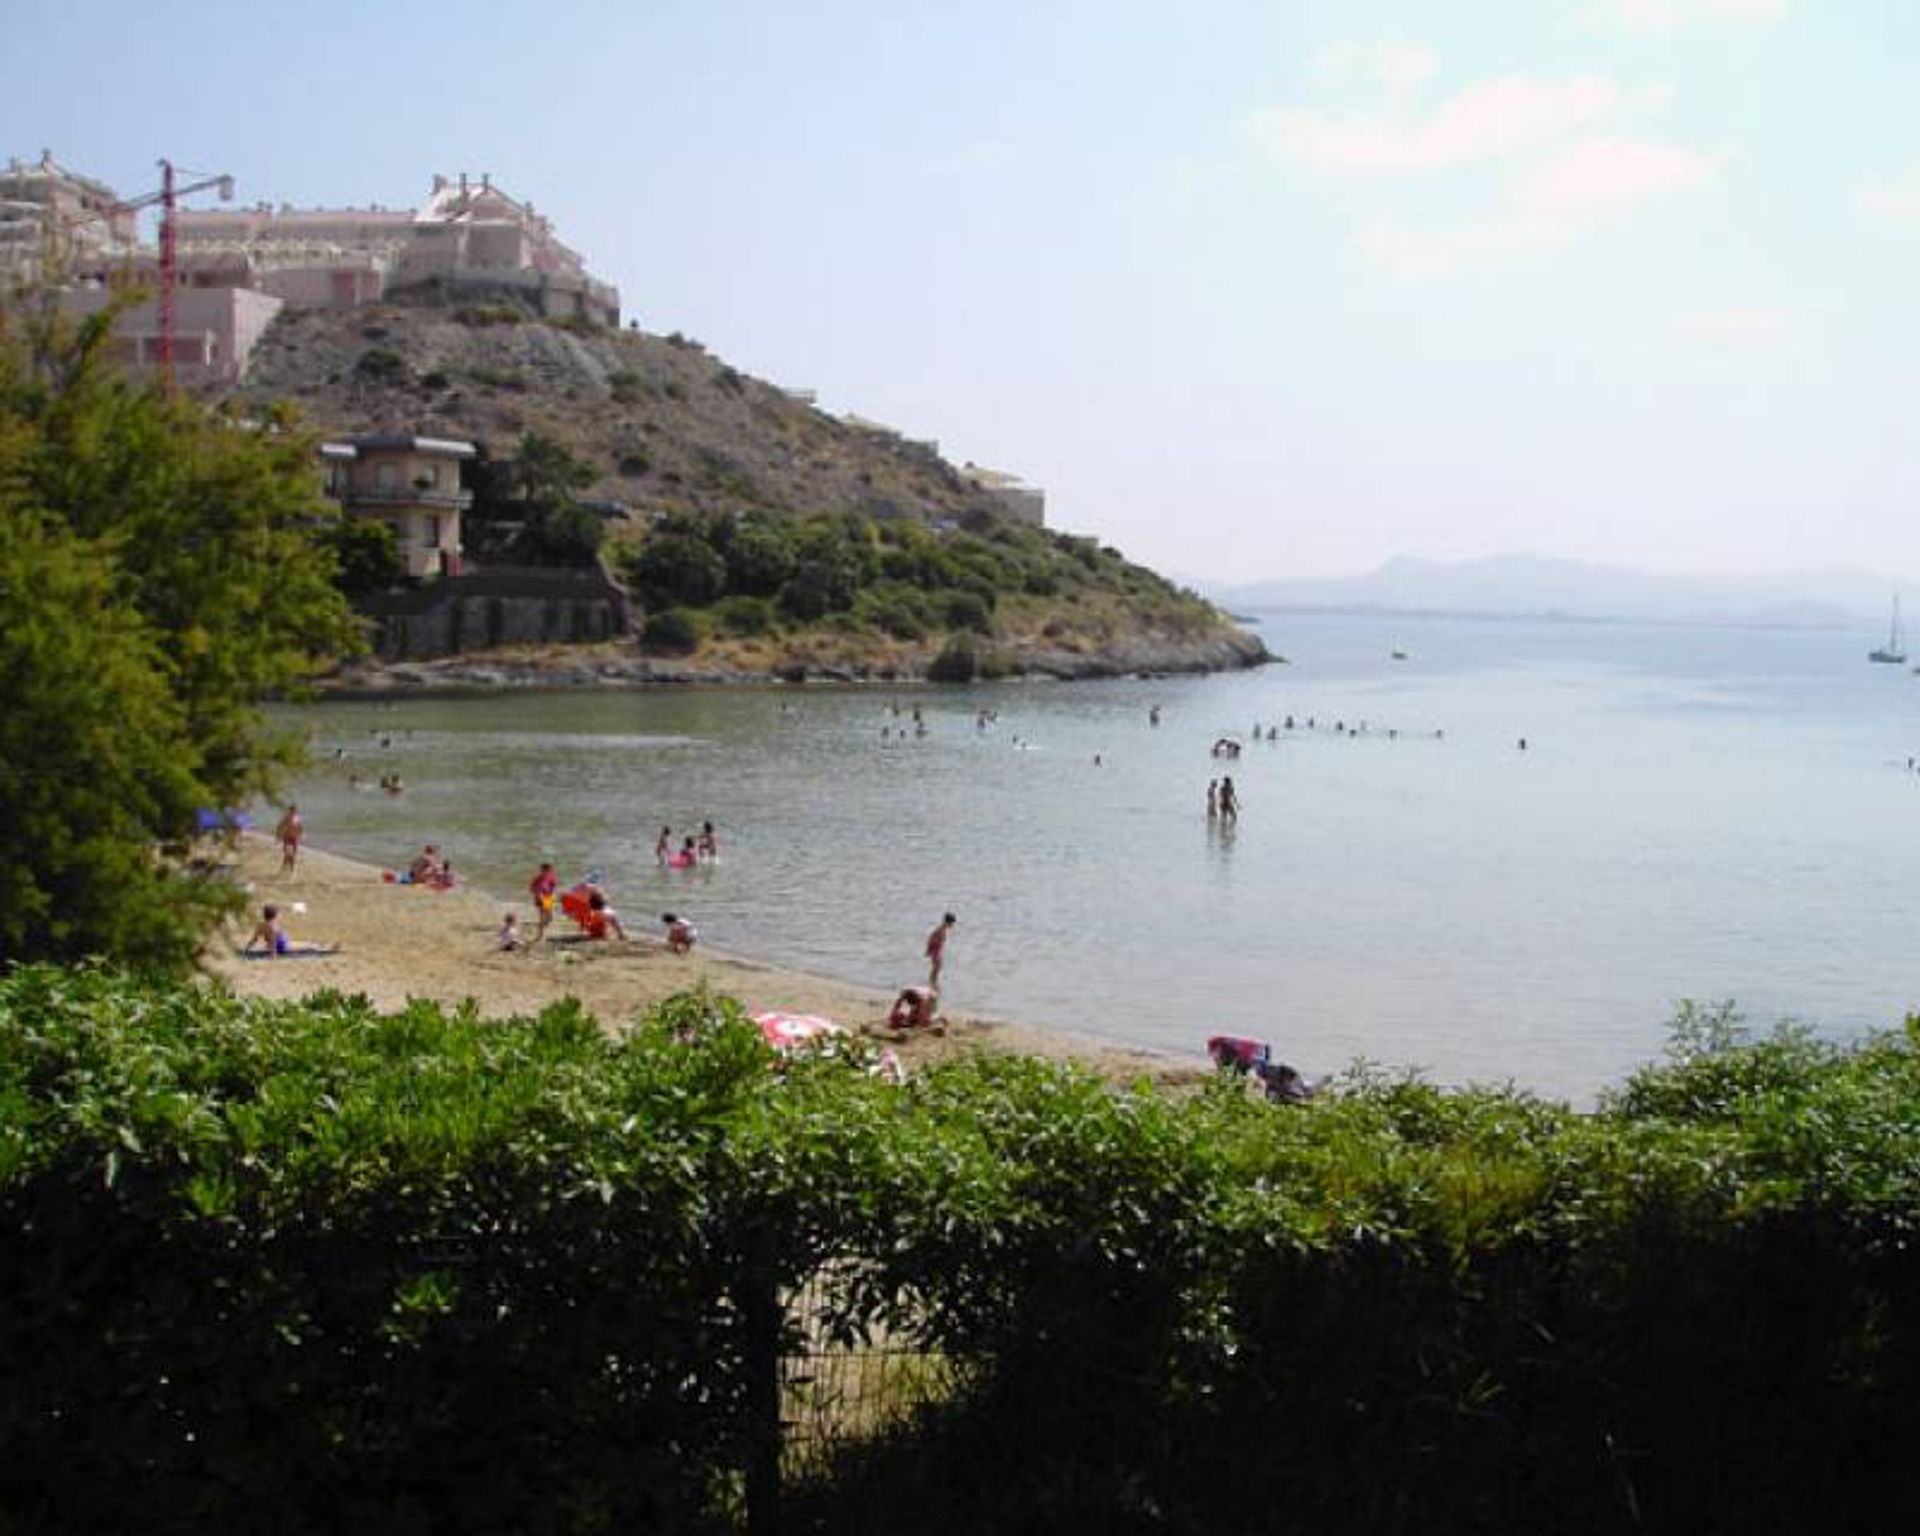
column 274, row 942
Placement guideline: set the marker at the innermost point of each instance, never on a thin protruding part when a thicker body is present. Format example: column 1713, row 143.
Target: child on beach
column 681, row 934
column 508, row 937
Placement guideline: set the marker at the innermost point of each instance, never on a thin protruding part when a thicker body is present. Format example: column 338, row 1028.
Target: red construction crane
column 168, row 197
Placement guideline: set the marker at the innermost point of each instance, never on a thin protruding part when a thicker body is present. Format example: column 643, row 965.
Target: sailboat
column 1892, row 650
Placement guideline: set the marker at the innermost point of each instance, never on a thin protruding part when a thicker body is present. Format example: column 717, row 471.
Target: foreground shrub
column 419, row 1271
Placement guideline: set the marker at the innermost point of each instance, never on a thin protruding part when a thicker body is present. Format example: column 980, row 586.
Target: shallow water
column 1701, row 813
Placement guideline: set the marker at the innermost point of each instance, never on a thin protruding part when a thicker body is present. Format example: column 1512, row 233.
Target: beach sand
column 401, row 941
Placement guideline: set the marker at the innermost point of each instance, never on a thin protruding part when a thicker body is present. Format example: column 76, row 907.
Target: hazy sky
column 1251, row 289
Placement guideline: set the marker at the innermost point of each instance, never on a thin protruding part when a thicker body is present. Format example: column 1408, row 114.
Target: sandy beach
column 400, row 941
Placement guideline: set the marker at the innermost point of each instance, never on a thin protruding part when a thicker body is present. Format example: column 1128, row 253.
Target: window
column 386, row 476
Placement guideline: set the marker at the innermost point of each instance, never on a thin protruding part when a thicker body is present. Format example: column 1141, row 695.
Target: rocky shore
column 623, row 666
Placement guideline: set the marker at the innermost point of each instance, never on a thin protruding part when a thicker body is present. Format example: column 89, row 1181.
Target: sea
column 1485, row 850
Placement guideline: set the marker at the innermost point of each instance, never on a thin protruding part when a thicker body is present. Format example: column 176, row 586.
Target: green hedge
column 308, row 1266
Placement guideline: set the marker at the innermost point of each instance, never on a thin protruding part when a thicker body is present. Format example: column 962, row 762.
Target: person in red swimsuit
column 542, row 888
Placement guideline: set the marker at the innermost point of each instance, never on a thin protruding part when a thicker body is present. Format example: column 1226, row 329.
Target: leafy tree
column 159, row 577
column 965, row 610
column 562, row 534
column 525, row 509
column 548, row 472
column 759, row 556
column 679, row 568
column 671, row 633
column 366, row 553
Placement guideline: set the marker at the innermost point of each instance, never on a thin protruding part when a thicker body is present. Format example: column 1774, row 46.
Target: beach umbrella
column 787, row 1031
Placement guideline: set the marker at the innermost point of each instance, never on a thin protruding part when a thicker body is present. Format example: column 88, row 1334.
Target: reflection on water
column 1699, row 813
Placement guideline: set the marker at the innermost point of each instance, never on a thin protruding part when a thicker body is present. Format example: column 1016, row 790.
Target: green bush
column 483, row 315
column 366, row 554
column 679, row 568
column 967, row 610
column 671, row 632
column 381, row 365
column 419, row 1269
column 896, row 610
column 745, row 616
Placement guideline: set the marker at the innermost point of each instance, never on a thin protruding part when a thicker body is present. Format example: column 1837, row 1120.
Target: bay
column 1698, row 812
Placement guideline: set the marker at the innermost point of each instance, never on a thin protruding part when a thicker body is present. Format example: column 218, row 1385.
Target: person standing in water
column 1213, row 799
column 937, row 949
column 1229, row 801
column 663, row 849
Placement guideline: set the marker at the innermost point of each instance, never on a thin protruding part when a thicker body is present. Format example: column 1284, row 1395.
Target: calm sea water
column 1699, row 813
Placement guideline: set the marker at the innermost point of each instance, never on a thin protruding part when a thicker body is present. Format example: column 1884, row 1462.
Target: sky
column 1253, row 290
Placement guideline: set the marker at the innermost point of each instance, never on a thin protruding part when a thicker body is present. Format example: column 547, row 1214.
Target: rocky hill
column 684, row 441
column 666, row 426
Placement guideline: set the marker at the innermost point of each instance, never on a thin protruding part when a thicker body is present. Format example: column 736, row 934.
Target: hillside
column 666, row 426
column 684, row 441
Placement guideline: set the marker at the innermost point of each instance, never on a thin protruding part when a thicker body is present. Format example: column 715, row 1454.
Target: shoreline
column 617, row 665
column 402, row 942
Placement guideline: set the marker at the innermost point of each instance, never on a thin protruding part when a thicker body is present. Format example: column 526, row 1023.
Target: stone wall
column 483, row 610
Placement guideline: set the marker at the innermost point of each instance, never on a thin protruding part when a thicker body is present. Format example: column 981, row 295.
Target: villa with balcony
column 410, row 483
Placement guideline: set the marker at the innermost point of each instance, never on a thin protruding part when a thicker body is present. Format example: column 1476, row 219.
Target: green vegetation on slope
column 418, row 1269
column 756, row 574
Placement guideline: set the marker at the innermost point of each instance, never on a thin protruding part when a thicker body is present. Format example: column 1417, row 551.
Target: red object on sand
column 787, row 1031
column 1237, row 1051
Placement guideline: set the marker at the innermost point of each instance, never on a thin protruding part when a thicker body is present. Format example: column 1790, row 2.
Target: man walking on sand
column 937, row 949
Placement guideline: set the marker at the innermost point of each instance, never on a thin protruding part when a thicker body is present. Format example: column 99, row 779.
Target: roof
column 400, row 443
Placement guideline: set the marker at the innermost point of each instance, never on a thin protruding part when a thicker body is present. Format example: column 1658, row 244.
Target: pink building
column 236, row 268
column 214, row 331
column 468, row 234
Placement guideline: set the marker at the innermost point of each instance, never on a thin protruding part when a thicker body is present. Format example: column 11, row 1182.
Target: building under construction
column 230, row 271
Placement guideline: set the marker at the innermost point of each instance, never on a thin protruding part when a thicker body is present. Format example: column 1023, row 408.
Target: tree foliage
column 896, row 575
column 160, row 576
column 525, row 509
column 366, row 554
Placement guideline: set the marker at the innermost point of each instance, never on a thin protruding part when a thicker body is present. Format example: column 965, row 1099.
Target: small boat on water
column 1397, row 654
column 1894, row 650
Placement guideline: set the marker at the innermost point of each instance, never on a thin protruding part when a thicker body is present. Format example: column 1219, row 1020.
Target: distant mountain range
column 1537, row 586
